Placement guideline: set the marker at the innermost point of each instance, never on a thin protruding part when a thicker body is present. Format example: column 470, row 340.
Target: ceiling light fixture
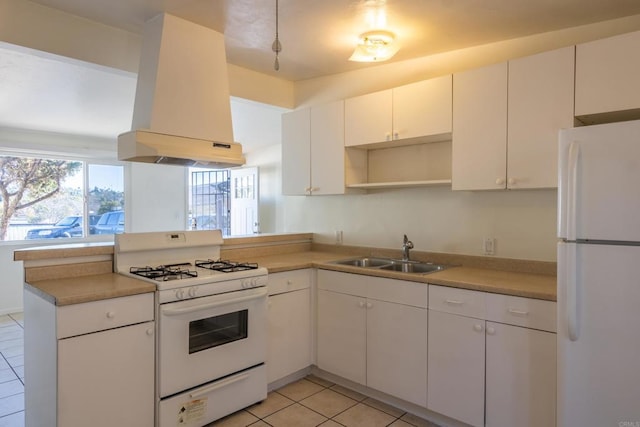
column 375, row 46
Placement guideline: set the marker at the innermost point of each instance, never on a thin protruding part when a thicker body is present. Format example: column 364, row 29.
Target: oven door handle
column 260, row 293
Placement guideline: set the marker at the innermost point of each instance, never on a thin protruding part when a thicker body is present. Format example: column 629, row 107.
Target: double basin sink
column 389, row 264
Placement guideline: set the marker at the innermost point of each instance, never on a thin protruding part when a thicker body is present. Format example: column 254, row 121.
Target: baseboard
column 4, row 311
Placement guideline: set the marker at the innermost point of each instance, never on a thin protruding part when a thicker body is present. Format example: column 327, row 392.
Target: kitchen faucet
column 406, row 246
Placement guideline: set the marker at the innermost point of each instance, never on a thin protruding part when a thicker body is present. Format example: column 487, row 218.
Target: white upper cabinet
column 313, row 157
column 607, row 83
column 540, row 104
column 480, row 129
column 296, row 152
column 506, row 122
column 417, row 110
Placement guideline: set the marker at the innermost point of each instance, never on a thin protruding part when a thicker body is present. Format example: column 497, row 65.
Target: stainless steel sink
column 365, row 262
column 413, row 267
column 389, row 264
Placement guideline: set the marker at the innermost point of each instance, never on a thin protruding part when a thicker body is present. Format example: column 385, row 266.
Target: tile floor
column 313, row 401
column 310, row 401
column 11, row 370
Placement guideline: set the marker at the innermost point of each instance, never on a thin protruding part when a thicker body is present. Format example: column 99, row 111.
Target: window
column 209, row 200
column 57, row 198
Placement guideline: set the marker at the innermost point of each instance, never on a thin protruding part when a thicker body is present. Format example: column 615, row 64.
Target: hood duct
column 182, row 110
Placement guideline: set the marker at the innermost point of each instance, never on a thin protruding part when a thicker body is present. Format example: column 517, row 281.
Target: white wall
column 435, row 219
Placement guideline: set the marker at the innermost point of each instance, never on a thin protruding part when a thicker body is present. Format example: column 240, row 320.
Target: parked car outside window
column 70, row 226
column 110, row 223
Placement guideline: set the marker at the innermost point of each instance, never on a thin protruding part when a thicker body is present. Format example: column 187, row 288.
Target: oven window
column 218, row 330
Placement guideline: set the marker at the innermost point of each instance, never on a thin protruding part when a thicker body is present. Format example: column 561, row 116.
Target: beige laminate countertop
column 527, row 285
column 75, row 290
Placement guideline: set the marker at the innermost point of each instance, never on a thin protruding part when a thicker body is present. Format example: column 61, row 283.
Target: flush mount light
column 375, row 46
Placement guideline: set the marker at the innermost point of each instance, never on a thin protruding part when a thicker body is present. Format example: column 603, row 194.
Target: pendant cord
column 276, row 46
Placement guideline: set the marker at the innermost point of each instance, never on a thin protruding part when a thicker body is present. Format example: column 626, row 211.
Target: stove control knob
column 180, row 294
column 192, row 292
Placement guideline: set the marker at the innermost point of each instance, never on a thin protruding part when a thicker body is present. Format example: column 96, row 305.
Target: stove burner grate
column 164, row 272
column 226, row 266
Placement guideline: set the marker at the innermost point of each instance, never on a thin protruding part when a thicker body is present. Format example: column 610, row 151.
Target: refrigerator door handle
column 572, row 190
column 573, row 302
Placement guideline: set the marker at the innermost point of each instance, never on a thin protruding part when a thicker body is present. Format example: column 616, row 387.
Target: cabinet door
column 479, row 156
column 397, row 350
column 296, row 153
column 327, row 148
column 341, row 336
column 289, row 344
column 106, row 379
column 422, row 108
column 607, row 81
column 521, row 376
column 456, row 367
column 367, row 118
column 540, row 104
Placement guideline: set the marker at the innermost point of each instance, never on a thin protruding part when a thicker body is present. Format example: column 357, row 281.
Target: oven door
column 207, row 338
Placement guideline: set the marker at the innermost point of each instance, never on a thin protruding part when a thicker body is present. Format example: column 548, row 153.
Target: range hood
column 182, row 110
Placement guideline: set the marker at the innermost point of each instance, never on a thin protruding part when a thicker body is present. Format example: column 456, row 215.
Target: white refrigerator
column 599, row 276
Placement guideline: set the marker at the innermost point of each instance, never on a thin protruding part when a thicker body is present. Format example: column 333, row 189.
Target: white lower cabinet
column 456, row 367
column 488, row 373
column 89, row 364
column 290, row 340
column 373, row 331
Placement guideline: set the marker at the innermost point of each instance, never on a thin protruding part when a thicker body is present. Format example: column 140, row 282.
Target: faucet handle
column 407, row 243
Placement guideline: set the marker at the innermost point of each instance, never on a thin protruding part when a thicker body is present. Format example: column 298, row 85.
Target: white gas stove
column 211, row 318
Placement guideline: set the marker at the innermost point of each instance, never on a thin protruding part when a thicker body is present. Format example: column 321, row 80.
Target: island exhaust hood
column 182, row 110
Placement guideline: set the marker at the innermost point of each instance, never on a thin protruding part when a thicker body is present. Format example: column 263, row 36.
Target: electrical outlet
column 338, row 237
column 489, row 246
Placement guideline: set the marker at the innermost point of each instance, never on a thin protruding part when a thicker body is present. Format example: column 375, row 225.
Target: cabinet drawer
column 457, row 301
column 344, row 283
column 397, row 291
column 289, row 281
column 527, row 312
column 96, row 316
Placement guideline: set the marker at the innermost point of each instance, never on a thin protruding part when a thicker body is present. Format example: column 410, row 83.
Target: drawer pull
column 110, row 315
column 518, row 312
column 453, row 302
column 477, row 327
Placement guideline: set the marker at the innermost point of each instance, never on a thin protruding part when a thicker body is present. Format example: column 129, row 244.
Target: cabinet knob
column 396, row 135
column 511, row 181
column 289, row 282
column 149, row 331
column 491, row 331
column 388, row 136
column 369, row 305
column 361, row 304
column 110, row 314
column 500, row 181
column 192, row 292
column 477, row 327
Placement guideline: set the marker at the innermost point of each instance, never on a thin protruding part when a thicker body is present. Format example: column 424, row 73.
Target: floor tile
column 17, row 316
column 13, row 420
column 330, row 423
column 7, row 375
column 10, row 388
column 363, row 415
column 238, row 419
column 16, row 361
column 5, row 321
column 328, row 403
column 19, row 370
column 391, row 410
column 13, row 351
column 319, row 381
column 349, row 393
column 259, row 424
column 10, row 333
column 12, row 404
column 300, row 389
column 417, row 421
column 18, row 342
column 400, row 423
column 273, row 403
column 295, row 415
column 3, row 364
